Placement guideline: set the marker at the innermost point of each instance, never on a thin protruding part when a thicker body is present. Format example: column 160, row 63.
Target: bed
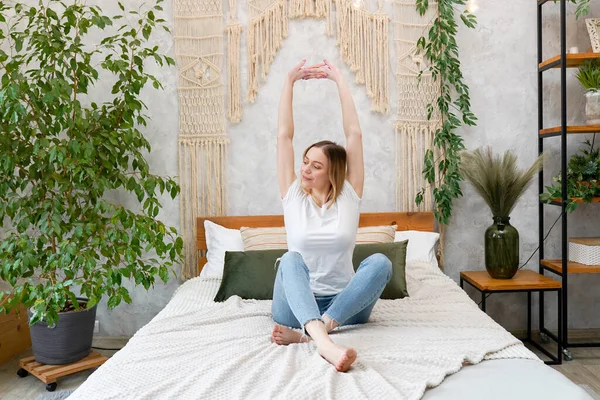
column 434, row 344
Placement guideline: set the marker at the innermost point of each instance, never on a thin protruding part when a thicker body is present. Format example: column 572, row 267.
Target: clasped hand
column 324, row 70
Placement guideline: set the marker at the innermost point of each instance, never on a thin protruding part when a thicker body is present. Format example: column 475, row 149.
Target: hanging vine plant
column 454, row 105
column 441, row 50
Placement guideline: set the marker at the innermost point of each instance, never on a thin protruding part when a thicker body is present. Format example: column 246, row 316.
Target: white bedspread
column 197, row 349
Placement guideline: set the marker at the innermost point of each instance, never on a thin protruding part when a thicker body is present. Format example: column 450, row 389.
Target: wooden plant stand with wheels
column 49, row 373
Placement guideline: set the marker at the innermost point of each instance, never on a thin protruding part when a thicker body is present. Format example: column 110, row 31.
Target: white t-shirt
column 324, row 237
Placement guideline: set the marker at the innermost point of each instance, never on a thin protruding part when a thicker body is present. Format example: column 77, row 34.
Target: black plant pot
column 69, row 341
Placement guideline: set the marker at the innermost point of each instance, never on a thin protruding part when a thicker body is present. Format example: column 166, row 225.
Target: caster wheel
column 22, row 372
column 51, row 387
column 568, row 355
column 544, row 338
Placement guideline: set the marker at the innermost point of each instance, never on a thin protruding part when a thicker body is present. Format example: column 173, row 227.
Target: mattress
column 435, row 344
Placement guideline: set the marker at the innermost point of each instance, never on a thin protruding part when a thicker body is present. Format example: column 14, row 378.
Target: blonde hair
column 336, row 155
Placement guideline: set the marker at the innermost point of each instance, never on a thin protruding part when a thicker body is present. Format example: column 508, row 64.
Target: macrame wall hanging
column 414, row 132
column 267, row 27
column 362, row 37
column 198, row 35
column 234, row 33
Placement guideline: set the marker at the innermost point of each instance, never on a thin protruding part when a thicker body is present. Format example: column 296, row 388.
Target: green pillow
column 251, row 274
column 396, row 252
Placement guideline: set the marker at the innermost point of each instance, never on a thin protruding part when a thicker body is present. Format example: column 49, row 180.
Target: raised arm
column 285, row 129
column 354, row 146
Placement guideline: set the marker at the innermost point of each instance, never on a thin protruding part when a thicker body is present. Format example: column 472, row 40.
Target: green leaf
column 164, row 274
column 18, row 48
column 73, row 299
column 51, row 14
column 114, row 301
column 92, row 301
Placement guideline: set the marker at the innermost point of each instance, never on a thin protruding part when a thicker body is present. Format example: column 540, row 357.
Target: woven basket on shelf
column 585, row 250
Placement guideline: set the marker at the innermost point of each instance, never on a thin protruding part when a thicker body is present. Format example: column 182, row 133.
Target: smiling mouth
column 305, row 178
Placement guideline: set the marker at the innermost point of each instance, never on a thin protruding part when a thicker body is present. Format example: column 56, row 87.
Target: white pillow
column 421, row 245
column 219, row 240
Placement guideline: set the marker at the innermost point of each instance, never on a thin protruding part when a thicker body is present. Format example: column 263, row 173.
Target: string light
column 472, row 6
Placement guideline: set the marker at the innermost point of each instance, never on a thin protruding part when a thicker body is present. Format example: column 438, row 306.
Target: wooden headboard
column 406, row 221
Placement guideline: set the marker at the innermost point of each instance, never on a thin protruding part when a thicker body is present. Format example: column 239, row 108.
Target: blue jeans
column 294, row 303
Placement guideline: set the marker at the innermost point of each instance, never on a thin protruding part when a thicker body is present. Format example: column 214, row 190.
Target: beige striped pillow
column 264, row 238
column 275, row 238
column 376, row 234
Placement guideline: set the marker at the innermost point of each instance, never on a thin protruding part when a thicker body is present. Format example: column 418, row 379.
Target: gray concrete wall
column 499, row 64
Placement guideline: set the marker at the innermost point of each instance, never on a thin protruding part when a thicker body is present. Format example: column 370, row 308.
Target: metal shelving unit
column 561, row 267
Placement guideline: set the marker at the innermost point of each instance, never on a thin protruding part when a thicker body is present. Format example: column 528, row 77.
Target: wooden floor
column 29, row 388
column 585, row 366
column 584, row 369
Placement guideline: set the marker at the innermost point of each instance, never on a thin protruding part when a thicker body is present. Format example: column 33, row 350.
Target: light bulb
column 472, row 6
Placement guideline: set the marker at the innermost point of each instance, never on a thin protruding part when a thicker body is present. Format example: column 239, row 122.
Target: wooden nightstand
column 524, row 281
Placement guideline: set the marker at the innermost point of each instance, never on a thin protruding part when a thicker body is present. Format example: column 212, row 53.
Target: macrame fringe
column 267, row 28
column 202, row 163
column 234, row 33
column 380, row 88
column 412, row 139
column 363, row 40
column 198, row 34
column 415, row 129
column 309, row 8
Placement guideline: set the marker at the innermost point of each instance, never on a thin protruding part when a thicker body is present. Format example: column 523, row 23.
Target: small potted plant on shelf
column 583, row 178
column 500, row 183
column 63, row 244
column 588, row 76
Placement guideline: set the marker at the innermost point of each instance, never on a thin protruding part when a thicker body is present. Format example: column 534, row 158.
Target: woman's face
column 315, row 170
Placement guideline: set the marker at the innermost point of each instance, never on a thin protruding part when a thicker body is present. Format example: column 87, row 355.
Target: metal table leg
column 559, row 342
column 483, row 301
column 529, row 315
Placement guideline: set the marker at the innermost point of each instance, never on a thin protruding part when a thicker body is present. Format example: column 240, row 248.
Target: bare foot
column 340, row 357
column 283, row 335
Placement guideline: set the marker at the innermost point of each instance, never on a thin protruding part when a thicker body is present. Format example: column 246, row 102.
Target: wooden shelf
column 523, row 280
column 558, row 200
column 572, row 267
column 555, row 131
column 573, row 60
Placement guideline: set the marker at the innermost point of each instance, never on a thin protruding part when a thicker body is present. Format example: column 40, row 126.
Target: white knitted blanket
column 197, row 349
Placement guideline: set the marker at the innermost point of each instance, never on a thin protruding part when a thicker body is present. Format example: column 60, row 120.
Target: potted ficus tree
column 63, row 244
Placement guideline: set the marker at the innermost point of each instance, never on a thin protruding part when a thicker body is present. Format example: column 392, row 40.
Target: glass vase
column 501, row 249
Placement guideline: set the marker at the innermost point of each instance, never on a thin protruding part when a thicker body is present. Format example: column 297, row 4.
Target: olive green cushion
column 251, row 274
column 396, row 252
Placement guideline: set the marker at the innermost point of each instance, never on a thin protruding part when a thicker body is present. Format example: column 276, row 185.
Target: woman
column 316, row 288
